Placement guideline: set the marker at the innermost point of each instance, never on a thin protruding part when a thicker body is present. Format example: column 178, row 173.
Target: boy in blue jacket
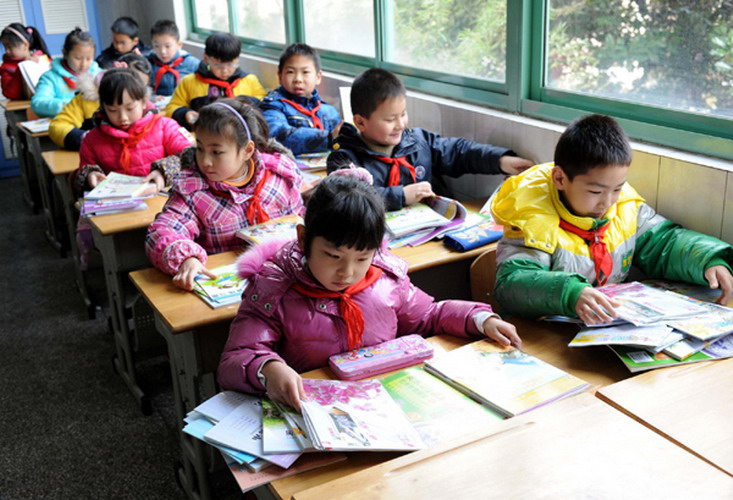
column 402, row 160
column 169, row 63
column 298, row 118
column 125, row 39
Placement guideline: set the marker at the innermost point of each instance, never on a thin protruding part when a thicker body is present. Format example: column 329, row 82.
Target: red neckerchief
column 132, row 139
column 307, row 112
column 350, row 311
column 167, row 68
column 69, row 82
column 394, row 172
column 598, row 250
column 255, row 213
column 228, row 87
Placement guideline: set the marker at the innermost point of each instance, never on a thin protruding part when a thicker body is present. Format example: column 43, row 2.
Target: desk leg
column 55, row 233
column 29, row 184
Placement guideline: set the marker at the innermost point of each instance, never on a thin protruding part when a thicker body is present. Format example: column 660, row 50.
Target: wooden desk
column 575, row 448
column 15, row 112
column 692, row 405
column 120, row 238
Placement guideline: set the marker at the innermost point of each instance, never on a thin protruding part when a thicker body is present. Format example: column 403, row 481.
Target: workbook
column 117, row 185
column 416, row 224
column 224, row 290
column 637, row 360
column 651, row 336
column 278, row 229
column 505, row 379
column 37, row 126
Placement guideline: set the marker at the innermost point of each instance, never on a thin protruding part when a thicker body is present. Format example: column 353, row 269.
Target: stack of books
column 312, row 162
column 117, row 193
column 279, row 229
column 224, row 290
column 419, row 223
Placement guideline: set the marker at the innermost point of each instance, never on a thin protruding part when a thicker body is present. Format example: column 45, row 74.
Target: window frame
column 522, row 91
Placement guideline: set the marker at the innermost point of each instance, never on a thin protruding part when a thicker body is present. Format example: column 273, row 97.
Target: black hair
column 138, row 63
column 589, row 142
column 345, row 211
column 372, row 88
column 221, row 121
column 118, row 80
column 299, row 49
column 126, row 26
column 165, row 27
column 76, row 37
column 9, row 36
column 223, row 46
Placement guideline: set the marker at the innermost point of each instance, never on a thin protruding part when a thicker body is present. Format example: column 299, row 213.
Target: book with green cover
column 637, row 360
column 226, row 289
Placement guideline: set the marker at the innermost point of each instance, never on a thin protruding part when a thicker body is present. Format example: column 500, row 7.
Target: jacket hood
column 350, row 138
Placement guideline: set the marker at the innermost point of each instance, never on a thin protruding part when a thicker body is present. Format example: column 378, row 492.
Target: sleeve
column 11, row 81
column 175, row 137
column 170, row 238
column 255, row 87
column 65, row 128
column 78, row 178
column 455, row 156
column 298, row 139
column 666, row 250
column 45, row 102
column 393, row 196
column 526, row 286
column 168, row 166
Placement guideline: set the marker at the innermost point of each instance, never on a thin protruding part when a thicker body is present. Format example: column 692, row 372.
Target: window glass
column 676, row 55
column 340, row 26
column 466, row 38
column 261, row 20
column 212, row 14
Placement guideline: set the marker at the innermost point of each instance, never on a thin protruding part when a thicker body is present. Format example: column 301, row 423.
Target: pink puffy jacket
column 100, row 145
column 276, row 322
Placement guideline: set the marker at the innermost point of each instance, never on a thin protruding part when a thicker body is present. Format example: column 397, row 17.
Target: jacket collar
column 281, row 93
column 204, row 71
column 100, row 118
column 350, row 138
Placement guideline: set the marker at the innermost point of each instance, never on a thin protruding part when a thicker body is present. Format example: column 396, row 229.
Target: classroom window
column 338, row 26
column 260, row 20
column 212, row 15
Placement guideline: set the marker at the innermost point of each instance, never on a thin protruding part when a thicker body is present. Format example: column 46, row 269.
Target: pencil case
column 473, row 237
column 380, row 358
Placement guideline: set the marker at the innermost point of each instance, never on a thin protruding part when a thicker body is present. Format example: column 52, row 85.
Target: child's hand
column 156, row 178
column 190, row 268
column 95, row 178
column 283, row 384
column 720, row 277
column 594, row 307
column 416, row 192
column 191, row 117
column 512, row 165
column 501, row 332
column 157, row 98
column 336, row 130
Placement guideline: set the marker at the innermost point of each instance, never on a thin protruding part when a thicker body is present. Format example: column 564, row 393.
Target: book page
column 345, row 95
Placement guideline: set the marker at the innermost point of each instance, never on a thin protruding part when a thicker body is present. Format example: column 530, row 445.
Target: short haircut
column 589, row 142
column 346, row 211
column 138, row 63
column 221, row 121
column 165, row 27
column 126, row 26
column 299, row 49
column 118, row 80
column 372, row 88
column 77, row 36
column 223, row 46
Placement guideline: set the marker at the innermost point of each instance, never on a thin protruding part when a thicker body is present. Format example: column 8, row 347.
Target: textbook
column 312, row 162
column 32, row 70
column 507, row 380
column 277, row 434
column 637, row 360
column 639, row 336
column 37, row 126
column 279, row 229
column 247, row 479
column 416, row 224
column 716, row 321
column 111, row 206
column 224, row 290
column 118, row 185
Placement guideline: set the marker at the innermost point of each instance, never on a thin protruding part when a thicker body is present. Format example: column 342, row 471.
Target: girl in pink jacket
column 230, row 180
column 333, row 290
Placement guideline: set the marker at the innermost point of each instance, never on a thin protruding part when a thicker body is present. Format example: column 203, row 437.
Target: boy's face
column 223, row 70
column 166, row 46
column 123, row 43
column 299, row 75
column 336, row 268
column 593, row 193
column 386, row 123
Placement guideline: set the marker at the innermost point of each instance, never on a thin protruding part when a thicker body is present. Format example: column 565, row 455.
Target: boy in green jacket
column 577, row 224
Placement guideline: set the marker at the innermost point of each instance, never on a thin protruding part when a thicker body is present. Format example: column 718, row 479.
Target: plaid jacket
column 203, row 217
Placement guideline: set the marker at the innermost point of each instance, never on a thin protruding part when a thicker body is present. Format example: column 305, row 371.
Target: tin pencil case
column 380, row 358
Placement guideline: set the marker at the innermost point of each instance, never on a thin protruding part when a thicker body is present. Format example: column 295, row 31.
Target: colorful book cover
column 351, row 416
column 433, row 407
column 197, row 426
column 641, row 336
column 118, row 185
column 637, row 360
column 507, row 380
column 279, row 229
column 412, row 219
column 224, row 290
column 312, row 161
column 277, row 435
column 717, row 321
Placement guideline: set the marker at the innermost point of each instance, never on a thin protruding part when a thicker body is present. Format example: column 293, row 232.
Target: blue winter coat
column 52, row 92
column 168, row 81
column 427, row 151
column 295, row 130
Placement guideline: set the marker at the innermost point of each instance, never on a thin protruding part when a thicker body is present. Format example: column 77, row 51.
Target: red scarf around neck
column 598, row 250
column 132, row 139
column 70, row 82
column 255, row 213
column 228, row 87
column 350, row 311
column 167, row 68
column 317, row 123
column 394, row 171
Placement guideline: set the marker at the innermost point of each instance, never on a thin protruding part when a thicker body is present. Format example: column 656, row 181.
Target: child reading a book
column 218, row 75
column 233, row 178
column 334, row 289
column 297, row 116
column 403, row 160
column 68, row 128
column 125, row 40
column 170, row 63
column 578, row 224
column 22, row 43
column 57, row 86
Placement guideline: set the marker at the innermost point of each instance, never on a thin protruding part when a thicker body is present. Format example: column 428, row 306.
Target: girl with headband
column 22, row 43
column 231, row 179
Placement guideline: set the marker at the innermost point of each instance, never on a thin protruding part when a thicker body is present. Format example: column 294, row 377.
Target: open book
column 416, row 224
column 37, row 126
column 118, row 185
column 32, row 71
column 279, row 229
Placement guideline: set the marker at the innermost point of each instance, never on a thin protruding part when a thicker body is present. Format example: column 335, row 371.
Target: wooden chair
column 483, row 278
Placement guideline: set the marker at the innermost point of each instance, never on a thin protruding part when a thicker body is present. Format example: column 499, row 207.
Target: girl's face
column 219, row 158
column 336, row 268
column 124, row 115
column 80, row 58
column 18, row 51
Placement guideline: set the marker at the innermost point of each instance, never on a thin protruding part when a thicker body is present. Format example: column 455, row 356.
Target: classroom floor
column 68, row 426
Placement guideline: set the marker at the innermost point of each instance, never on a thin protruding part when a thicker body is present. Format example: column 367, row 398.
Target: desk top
column 691, row 404
column 575, row 448
column 128, row 221
column 16, row 105
column 61, row 161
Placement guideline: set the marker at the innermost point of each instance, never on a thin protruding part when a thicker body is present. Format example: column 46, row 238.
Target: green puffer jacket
column 542, row 269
